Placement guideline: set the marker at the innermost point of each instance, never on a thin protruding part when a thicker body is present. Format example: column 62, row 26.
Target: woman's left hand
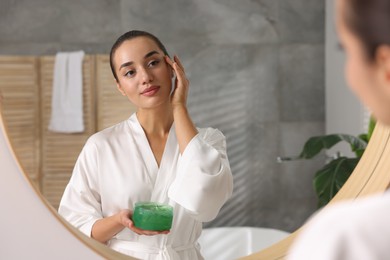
column 147, row 232
column 125, row 218
column 180, row 92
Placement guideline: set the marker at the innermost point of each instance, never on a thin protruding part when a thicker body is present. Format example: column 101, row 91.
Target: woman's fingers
column 175, row 64
column 177, row 60
column 146, row 232
column 126, row 220
column 178, row 68
column 180, row 92
column 168, row 60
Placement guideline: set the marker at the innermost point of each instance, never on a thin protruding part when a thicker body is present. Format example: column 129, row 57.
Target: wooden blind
column 60, row 151
column 20, row 91
column 112, row 107
column 48, row 157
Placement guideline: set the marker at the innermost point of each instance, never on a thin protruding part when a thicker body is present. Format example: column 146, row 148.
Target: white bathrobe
column 351, row 230
column 117, row 168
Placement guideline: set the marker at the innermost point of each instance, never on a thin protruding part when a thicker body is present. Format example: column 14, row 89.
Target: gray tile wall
column 256, row 69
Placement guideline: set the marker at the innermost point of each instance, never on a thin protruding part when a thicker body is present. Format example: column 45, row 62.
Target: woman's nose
column 146, row 76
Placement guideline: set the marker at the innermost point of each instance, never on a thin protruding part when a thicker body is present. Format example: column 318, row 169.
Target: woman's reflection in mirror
column 157, row 155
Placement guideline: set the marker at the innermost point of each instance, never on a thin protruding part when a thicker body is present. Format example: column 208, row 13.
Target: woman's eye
column 130, row 73
column 153, row 63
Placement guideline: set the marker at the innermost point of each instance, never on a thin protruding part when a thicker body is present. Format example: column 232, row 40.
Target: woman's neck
column 155, row 121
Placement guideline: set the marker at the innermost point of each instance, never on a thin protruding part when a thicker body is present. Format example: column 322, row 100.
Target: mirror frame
column 370, row 176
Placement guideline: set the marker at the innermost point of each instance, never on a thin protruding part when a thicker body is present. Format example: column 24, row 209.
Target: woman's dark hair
column 128, row 36
column 369, row 20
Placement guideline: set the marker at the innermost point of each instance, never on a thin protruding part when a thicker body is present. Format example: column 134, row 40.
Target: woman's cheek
column 353, row 75
column 358, row 80
column 349, row 71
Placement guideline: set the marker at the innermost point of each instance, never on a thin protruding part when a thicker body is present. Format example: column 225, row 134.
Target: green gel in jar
column 153, row 216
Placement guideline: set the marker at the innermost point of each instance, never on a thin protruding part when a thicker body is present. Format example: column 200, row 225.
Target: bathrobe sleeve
column 204, row 180
column 80, row 204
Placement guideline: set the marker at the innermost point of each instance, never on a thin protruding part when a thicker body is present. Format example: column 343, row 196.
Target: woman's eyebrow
column 151, row 54
column 146, row 56
column 125, row 64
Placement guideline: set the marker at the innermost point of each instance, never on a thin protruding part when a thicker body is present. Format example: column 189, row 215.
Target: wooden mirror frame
column 60, row 239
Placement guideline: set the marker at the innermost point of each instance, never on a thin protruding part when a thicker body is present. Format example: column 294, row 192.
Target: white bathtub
column 228, row 243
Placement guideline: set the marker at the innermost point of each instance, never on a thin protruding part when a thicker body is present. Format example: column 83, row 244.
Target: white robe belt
column 166, row 252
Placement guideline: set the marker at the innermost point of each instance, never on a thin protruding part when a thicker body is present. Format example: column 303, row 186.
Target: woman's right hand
column 125, row 219
column 180, row 91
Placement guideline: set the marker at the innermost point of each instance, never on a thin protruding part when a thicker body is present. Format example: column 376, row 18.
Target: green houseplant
column 331, row 177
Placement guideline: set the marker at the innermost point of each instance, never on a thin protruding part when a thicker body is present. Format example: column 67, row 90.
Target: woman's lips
column 150, row 91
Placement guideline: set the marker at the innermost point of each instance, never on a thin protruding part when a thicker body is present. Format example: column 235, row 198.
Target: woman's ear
column 383, row 61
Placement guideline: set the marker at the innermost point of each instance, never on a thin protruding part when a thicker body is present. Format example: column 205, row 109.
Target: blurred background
column 257, row 73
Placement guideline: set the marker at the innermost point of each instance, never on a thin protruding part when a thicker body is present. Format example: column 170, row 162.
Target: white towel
column 67, row 98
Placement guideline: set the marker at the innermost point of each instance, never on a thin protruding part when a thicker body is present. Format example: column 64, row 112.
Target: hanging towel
column 67, row 97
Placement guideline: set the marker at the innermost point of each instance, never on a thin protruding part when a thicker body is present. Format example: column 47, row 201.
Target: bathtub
column 228, row 243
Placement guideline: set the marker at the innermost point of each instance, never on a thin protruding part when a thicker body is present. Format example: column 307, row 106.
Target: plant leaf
column 329, row 179
column 364, row 137
column 315, row 144
column 371, row 127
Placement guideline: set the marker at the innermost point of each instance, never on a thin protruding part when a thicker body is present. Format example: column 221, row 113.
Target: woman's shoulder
column 110, row 133
column 352, row 213
column 371, row 203
column 347, row 228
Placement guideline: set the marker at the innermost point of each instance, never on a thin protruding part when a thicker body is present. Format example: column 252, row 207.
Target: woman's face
column 143, row 74
column 367, row 79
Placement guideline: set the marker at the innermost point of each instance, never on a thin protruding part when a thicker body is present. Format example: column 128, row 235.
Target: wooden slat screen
column 49, row 157
column 112, row 107
column 60, row 151
column 20, row 91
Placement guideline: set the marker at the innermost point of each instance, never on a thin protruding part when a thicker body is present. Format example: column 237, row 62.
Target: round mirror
column 241, row 59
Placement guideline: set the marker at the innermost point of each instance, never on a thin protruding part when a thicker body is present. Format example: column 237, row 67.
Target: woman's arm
column 185, row 128
column 204, row 180
column 104, row 229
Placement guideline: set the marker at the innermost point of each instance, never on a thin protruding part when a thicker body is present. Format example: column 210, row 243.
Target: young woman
column 156, row 155
column 360, row 229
